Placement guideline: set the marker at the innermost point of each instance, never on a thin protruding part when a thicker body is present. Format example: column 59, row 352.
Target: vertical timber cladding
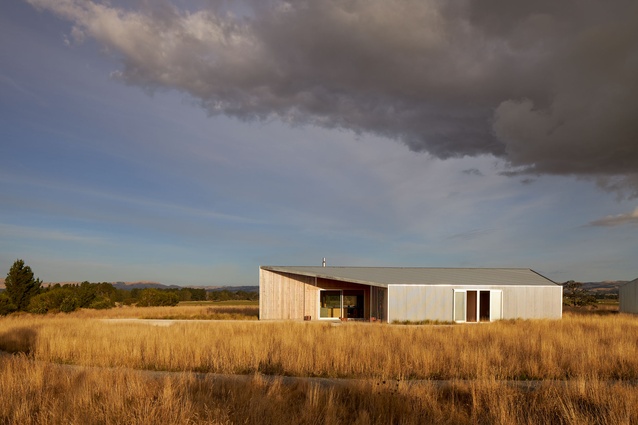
column 285, row 295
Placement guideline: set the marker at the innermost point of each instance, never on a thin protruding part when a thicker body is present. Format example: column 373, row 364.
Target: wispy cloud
column 4, row 79
column 137, row 201
column 617, row 220
column 8, row 231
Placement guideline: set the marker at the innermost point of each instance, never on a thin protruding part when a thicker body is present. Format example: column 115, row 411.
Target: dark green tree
column 6, row 306
column 154, row 297
column 20, row 285
column 576, row 296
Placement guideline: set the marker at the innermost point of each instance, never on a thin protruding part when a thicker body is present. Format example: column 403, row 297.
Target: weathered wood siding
column 286, row 296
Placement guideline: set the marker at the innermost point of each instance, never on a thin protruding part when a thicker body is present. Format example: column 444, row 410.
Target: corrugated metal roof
column 384, row 276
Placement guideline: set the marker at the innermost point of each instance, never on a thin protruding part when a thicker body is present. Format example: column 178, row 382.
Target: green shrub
column 69, row 304
column 6, row 306
column 102, row 303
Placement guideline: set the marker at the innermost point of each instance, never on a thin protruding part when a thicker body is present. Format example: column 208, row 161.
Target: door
column 378, row 303
column 353, row 304
column 496, row 305
column 478, row 305
column 471, row 306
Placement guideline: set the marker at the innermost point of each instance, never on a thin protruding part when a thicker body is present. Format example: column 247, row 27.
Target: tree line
column 26, row 293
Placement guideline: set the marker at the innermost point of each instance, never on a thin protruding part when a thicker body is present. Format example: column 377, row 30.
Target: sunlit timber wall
column 628, row 297
column 436, row 302
column 286, row 296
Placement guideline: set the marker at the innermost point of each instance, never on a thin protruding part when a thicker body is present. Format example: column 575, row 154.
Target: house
column 628, row 297
column 391, row 294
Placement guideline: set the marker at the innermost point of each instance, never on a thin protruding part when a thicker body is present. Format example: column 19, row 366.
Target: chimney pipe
column 323, row 263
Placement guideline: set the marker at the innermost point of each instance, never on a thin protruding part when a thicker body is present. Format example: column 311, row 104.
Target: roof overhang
column 384, row 277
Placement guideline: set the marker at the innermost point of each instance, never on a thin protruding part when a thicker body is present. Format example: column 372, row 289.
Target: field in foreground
column 39, row 393
column 584, row 367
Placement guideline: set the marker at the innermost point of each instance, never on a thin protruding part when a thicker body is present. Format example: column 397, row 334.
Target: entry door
column 496, row 305
column 477, row 305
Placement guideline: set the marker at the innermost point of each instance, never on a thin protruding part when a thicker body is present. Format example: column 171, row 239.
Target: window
column 329, row 304
column 334, row 304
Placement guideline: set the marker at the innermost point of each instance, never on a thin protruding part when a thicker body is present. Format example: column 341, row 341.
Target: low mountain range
column 606, row 286
column 146, row 284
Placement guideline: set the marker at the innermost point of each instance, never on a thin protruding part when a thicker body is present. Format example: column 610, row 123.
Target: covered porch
column 351, row 301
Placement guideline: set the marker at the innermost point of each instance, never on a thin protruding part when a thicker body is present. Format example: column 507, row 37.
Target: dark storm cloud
column 550, row 87
column 473, row 172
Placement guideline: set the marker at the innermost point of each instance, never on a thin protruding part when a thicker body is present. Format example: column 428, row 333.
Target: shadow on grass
column 601, row 310
column 19, row 340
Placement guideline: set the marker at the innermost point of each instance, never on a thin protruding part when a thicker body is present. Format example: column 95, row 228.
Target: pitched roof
column 384, row 276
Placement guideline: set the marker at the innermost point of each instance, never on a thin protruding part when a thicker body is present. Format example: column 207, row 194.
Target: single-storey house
column 391, row 294
column 628, row 297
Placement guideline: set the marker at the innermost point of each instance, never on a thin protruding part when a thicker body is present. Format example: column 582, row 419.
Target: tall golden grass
column 207, row 311
column 583, row 363
column 576, row 347
column 43, row 393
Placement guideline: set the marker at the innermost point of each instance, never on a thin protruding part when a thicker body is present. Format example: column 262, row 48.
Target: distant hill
column 142, row 285
column 605, row 287
column 235, row 288
column 127, row 286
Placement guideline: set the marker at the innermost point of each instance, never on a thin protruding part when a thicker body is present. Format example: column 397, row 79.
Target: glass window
column 330, row 304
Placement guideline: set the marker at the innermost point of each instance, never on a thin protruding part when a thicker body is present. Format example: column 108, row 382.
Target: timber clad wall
column 286, row 296
column 290, row 296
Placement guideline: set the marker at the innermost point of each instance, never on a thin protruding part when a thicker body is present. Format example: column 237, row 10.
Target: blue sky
column 111, row 171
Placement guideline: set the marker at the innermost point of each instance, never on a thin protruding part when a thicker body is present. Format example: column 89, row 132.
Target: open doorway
column 477, row 305
column 353, row 304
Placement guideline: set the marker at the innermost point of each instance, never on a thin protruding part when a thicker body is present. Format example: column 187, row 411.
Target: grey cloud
column 549, row 87
column 617, row 220
column 473, row 172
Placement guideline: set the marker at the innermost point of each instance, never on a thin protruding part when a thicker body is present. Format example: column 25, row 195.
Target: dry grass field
column 583, row 369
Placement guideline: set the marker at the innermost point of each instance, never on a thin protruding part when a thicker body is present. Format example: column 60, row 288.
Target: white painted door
column 496, row 305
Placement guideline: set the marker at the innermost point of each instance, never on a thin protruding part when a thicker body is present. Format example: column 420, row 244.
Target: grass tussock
column 576, row 347
column 38, row 393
